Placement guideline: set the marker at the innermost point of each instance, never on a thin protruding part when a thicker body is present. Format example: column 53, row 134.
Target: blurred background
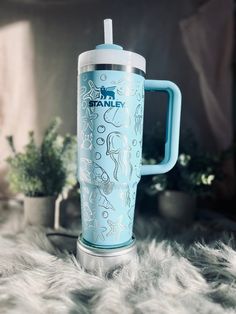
column 190, row 42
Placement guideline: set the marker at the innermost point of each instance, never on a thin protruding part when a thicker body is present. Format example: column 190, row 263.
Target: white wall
column 54, row 35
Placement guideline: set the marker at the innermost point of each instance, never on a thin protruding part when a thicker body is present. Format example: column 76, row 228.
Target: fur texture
column 180, row 271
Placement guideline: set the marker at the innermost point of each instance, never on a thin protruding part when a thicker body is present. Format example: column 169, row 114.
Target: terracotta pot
column 40, row 211
column 175, row 205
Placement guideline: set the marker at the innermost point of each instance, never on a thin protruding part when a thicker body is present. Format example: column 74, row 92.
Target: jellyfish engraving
column 117, row 117
column 119, row 152
column 138, row 117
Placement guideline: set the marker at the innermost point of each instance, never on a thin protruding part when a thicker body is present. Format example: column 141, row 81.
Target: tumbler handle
column 172, row 128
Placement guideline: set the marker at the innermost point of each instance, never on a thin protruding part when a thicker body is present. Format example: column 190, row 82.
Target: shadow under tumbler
column 111, row 88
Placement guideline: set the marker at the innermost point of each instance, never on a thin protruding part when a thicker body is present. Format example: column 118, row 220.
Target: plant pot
column 178, row 206
column 69, row 212
column 40, row 211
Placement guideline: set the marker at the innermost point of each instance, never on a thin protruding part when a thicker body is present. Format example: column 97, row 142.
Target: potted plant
column 69, row 208
column 41, row 172
column 192, row 178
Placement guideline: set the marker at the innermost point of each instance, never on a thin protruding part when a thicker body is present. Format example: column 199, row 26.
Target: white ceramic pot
column 40, row 211
column 178, row 206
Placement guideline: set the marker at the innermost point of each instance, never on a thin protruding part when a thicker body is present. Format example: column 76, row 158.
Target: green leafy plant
column 46, row 169
column 195, row 171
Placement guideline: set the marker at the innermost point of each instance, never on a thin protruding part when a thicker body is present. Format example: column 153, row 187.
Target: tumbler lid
column 109, row 53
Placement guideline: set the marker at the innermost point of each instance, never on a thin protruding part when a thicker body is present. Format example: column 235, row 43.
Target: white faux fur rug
column 179, row 271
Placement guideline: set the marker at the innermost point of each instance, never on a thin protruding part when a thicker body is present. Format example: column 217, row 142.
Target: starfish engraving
column 116, row 227
column 93, row 93
column 87, row 119
column 98, row 231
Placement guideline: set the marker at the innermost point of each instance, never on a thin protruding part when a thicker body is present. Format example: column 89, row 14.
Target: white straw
column 108, row 34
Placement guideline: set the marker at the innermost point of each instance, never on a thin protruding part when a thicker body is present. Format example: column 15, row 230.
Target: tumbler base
column 102, row 261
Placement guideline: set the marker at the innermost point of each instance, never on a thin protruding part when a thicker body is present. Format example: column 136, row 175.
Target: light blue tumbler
column 111, row 86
